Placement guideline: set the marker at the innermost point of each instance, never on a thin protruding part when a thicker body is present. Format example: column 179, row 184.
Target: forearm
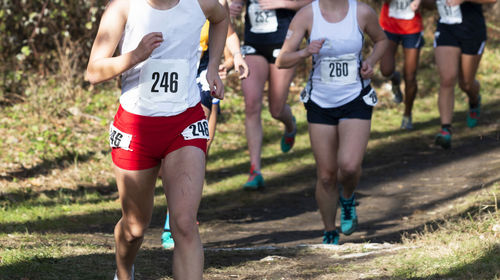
column 103, row 69
column 217, row 35
column 297, row 4
column 290, row 59
column 233, row 44
column 378, row 51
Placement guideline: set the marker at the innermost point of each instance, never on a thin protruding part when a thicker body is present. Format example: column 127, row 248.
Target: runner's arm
column 216, row 15
column 283, row 4
column 233, row 44
column 369, row 24
column 102, row 65
column 290, row 54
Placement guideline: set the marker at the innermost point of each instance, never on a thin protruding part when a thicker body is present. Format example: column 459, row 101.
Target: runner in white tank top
column 338, row 98
column 158, row 40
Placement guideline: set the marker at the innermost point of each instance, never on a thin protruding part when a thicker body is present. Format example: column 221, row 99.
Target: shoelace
column 347, row 209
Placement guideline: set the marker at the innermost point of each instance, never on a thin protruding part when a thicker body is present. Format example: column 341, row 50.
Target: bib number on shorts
column 262, row 21
column 371, row 98
column 401, row 9
column 165, row 81
column 119, row 139
column 340, row 70
column 197, row 130
column 449, row 14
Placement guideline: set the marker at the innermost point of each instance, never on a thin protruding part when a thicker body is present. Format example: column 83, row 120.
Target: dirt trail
column 402, row 189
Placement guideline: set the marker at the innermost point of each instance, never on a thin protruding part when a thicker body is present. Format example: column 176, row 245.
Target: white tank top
column 335, row 79
column 165, row 83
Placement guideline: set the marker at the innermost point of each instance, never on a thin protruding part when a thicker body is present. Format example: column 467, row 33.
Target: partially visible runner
column 159, row 117
column 338, row 98
column 402, row 23
column 459, row 43
column 266, row 24
column 211, row 105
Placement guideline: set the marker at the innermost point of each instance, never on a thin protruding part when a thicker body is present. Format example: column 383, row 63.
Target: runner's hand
column 414, row 5
column 366, row 70
column 314, row 46
column 215, row 83
column 148, row 43
column 223, row 71
column 235, row 8
column 240, row 66
column 272, row 4
column 452, row 3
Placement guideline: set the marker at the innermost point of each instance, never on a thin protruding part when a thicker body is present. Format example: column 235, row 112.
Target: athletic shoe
column 331, row 237
column 473, row 115
column 348, row 217
column 443, row 138
column 288, row 139
column 167, row 241
column 397, row 95
column 132, row 273
column 406, row 123
column 255, row 180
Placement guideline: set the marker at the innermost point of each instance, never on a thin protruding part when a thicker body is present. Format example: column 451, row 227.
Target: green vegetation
column 58, row 199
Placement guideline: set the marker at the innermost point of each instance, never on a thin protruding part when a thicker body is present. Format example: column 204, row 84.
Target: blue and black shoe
column 331, row 237
column 348, row 217
column 474, row 113
column 443, row 138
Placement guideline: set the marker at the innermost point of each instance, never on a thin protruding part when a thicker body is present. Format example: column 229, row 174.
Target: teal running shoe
column 288, row 139
column 473, row 115
column 348, row 217
column 255, row 180
column 167, row 241
column 331, row 237
column 443, row 138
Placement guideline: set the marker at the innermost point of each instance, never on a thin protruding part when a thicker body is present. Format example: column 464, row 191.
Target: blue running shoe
column 288, row 139
column 167, row 241
column 443, row 138
column 473, row 115
column 331, row 237
column 348, row 217
column 255, row 180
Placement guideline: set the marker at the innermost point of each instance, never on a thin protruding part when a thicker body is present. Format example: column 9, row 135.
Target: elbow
column 92, row 78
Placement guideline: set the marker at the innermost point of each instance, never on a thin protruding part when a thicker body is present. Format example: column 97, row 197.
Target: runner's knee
column 466, row 86
column 183, row 226
column 133, row 231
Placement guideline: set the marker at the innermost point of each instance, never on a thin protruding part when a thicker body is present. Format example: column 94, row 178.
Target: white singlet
column 335, row 79
column 401, row 9
column 165, row 83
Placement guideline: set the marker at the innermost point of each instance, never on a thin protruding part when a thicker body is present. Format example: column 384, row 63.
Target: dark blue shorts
column 409, row 41
column 269, row 52
column 447, row 36
column 356, row 109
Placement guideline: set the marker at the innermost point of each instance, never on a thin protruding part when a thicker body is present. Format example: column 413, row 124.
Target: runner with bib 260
column 459, row 43
column 266, row 24
column 402, row 23
column 338, row 98
column 159, row 118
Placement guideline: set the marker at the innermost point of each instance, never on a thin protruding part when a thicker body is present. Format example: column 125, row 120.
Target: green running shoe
column 348, row 217
column 255, row 180
column 473, row 115
column 288, row 139
column 443, row 138
column 331, row 237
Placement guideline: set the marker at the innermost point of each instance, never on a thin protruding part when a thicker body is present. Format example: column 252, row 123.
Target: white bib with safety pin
column 196, row 130
column 119, row 139
column 262, row 21
column 449, row 14
column 340, row 70
column 371, row 98
column 401, row 9
column 165, row 81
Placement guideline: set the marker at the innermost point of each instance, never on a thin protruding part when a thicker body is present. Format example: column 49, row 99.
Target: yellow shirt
column 204, row 36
